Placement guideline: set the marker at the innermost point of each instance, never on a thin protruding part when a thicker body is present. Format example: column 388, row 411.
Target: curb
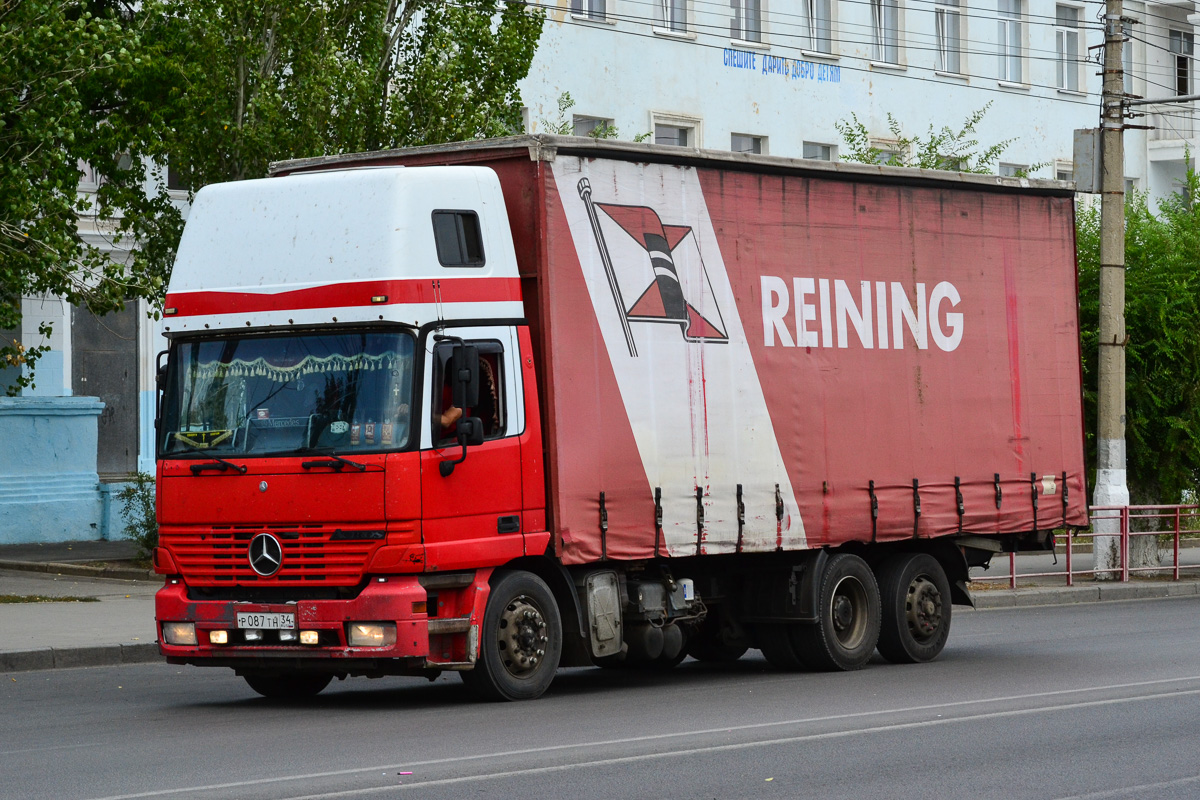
column 82, row 570
column 1091, row 593
column 109, row 655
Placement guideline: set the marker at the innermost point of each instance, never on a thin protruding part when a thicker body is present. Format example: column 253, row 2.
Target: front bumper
column 396, row 598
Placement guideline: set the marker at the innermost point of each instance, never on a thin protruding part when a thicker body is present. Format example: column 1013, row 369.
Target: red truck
column 508, row 405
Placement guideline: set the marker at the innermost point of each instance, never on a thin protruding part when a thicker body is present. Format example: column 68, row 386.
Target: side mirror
column 160, row 371
column 464, row 375
column 469, row 432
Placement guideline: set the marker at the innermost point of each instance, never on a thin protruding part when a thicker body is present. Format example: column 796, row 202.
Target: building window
column 1064, row 171
column 891, row 153
column 596, row 127
column 676, row 130
column 1009, row 39
column 672, row 15
column 1014, row 170
column 592, row 9
column 948, row 19
column 747, row 20
column 821, row 152
column 745, row 143
column 1181, row 53
column 885, row 24
column 675, row 135
column 1066, row 37
column 817, row 22
column 175, row 180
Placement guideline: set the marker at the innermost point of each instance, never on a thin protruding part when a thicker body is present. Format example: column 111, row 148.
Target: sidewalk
column 116, row 629
column 119, row 627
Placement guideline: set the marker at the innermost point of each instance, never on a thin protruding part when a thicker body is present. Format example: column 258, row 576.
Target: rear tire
column 520, row 641
column 915, row 598
column 291, row 686
column 775, row 641
column 847, row 627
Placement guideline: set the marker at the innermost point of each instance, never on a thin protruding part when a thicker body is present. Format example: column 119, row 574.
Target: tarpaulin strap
column 778, row 519
column 657, row 519
column 699, row 518
column 874, row 509
column 916, row 505
column 603, row 529
column 1033, row 493
column 1064, row 495
column 999, row 494
column 741, row 517
column 958, row 500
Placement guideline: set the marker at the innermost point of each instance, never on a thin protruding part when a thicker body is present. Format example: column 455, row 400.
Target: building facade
column 776, row 76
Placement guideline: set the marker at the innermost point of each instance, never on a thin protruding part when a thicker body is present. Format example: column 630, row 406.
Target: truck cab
column 347, row 412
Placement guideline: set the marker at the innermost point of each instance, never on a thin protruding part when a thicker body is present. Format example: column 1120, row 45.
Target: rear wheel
column 775, row 641
column 284, row 686
column 847, row 627
column 915, row 597
column 520, row 641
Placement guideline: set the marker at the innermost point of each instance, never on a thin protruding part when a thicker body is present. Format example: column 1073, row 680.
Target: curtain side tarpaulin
column 759, row 359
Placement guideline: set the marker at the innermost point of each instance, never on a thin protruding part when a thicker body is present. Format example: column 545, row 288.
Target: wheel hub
column 848, row 612
column 923, row 608
column 522, row 636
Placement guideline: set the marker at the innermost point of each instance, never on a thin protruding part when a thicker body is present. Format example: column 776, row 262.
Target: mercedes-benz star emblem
column 266, row 554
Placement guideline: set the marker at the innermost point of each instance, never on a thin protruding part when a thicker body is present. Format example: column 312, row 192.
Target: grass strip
column 38, row 598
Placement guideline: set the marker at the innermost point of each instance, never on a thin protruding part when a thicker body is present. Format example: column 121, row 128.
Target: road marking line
column 1136, row 790
column 707, row 731
column 812, row 737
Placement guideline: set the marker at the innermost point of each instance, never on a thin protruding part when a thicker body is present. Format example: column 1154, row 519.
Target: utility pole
column 1111, row 486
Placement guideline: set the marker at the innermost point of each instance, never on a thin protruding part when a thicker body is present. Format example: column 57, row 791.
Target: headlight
column 371, row 634
column 179, row 632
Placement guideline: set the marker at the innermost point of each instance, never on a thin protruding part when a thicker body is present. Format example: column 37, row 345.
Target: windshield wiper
column 334, row 461
column 221, row 465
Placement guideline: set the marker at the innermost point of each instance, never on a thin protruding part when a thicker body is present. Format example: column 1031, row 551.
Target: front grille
column 313, row 555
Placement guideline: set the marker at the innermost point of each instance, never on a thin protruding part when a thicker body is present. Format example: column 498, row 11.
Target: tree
column 946, row 149
column 217, row 89
column 1162, row 351
column 60, row 67
column 258, row 82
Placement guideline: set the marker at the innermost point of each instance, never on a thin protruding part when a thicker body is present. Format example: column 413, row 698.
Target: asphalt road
column 1097, row 701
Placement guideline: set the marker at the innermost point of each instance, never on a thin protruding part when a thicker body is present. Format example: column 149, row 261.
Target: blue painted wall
column 49, row 489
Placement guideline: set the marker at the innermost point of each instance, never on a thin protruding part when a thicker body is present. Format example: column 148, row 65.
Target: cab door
column 472, row 517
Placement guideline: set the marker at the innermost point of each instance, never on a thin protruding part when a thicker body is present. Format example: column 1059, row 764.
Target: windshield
column 280, row 395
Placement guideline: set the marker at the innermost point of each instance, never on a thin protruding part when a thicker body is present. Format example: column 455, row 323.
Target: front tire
column 288, row 686
column 915, row 596
column 520, row 641
column 847, row 628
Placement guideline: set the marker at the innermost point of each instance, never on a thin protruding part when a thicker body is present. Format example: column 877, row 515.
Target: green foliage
column 218, row 89
column 137, row 509
column 946, row 149
column 1162, row 319
column 63, row 66
column 565, row 126
column 251, row 83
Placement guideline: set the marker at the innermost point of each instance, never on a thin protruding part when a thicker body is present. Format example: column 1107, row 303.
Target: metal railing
column 1175, row 522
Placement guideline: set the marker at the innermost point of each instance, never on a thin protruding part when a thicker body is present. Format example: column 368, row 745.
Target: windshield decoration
column 310, row 365
column 289, row 395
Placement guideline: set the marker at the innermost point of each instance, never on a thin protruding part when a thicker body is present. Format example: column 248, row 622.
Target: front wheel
column 520, row 641
column 288, row 686
column 915, row 596
column 847, row 627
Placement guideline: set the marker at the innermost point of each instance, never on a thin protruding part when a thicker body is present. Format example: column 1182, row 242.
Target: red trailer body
column 735, row 376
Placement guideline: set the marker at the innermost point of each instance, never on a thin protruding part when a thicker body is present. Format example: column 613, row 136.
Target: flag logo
column 664, row 299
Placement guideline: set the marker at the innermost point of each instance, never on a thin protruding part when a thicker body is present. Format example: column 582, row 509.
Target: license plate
column 270, row 622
